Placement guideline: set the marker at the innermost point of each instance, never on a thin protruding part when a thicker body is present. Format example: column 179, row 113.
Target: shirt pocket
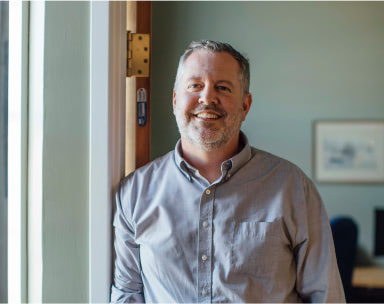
column 255, row 247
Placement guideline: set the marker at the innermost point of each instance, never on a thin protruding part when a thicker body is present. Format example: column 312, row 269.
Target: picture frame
column 349, row 151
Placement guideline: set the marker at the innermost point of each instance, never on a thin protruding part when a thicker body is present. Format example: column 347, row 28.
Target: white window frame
column 107, row 130
column 107, row 149
column 17, row 150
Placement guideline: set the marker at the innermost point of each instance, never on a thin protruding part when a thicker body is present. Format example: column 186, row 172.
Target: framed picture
column 349, row 151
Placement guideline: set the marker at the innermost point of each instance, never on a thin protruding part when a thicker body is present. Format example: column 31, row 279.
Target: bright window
column 16, row 152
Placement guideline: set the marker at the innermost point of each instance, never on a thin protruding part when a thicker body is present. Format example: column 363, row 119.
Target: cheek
column 233, row 106
column 187, row 102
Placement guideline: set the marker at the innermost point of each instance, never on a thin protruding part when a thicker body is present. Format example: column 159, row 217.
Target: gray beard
column 202, row 139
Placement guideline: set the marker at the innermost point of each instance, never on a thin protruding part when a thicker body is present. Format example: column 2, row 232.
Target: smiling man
column 217, row 220
column 210, row 102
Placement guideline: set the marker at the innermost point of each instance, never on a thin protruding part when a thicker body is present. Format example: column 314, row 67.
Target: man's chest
column 213, row 229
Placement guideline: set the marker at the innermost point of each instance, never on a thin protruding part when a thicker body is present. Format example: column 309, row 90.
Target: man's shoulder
column 158, row 163
column 279, row 172
column 152, row 168
column 271, row 162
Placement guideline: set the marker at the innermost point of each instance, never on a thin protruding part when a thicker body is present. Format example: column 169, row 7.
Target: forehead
column 215, row 64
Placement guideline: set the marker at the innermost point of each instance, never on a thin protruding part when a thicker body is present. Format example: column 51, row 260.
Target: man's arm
column 318, row 278
column 128, row 286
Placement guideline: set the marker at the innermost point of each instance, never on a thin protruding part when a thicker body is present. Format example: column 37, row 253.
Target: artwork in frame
column 349, row 151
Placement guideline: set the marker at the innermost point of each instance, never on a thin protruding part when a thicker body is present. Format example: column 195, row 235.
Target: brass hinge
column 138, row 54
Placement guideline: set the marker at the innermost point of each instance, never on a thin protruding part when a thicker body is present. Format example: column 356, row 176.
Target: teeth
column 207, row 115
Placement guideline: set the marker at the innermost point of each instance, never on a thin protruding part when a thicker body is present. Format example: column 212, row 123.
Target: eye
column 223, row 88
column 194, row 86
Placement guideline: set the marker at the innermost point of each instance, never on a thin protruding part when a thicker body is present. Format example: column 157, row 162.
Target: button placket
column 205, row 247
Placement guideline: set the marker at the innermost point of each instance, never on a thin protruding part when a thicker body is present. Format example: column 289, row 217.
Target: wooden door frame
column 143, row 134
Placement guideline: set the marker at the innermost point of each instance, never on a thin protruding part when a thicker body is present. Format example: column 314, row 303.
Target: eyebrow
column 225, row 81
column 218, row 81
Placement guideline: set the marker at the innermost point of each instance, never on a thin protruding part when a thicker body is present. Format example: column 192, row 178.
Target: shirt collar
column 231, row 165
column 241, row 158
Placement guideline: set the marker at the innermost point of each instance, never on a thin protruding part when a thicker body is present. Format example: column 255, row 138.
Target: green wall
column 4, row 12
column 66, row 152
column 309, row 61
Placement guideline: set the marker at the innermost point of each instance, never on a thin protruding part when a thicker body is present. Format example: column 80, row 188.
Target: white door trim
column 107, row 129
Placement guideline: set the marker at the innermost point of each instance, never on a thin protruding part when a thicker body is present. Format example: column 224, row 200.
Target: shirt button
column 205, row 224
column 204, row 257
column 204, row 292
column 228, row 175
column 208, row 192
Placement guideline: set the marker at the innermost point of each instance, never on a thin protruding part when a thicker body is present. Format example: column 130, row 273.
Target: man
column 216, row 220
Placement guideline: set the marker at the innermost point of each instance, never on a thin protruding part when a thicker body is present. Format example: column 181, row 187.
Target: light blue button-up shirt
column 259, row 233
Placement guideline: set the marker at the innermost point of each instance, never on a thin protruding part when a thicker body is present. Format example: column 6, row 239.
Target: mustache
column 211, row 107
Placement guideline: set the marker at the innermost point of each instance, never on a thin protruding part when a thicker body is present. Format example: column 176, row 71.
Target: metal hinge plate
column 138, row 54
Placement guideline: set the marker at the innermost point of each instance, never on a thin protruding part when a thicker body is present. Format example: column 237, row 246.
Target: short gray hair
column 215, row 47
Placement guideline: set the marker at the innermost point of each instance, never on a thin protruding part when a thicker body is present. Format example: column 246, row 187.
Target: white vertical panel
column 14, row 152
column 99, row 181
column 35, row 151
column 107, row 113
column 17, row 150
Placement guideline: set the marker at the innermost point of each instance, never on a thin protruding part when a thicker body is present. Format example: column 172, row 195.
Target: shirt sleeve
column 318, row 277
column 128, row 286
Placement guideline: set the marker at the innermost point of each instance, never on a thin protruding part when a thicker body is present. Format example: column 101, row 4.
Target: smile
column 207, row 116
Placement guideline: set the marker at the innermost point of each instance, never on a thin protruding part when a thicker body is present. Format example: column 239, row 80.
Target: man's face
column 208, row 102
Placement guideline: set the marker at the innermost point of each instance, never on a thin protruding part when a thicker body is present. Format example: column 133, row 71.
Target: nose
column 208, row 95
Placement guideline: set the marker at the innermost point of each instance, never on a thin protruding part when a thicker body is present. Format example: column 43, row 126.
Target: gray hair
column 215, row 47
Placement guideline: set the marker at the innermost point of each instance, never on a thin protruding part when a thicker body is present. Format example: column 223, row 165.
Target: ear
column 174, row 101
column 247, row 105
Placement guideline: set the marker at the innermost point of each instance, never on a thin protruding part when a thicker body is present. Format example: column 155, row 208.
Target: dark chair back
column 345, row 231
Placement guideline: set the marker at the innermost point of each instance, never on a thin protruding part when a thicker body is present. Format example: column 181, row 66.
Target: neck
column 209, row 162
